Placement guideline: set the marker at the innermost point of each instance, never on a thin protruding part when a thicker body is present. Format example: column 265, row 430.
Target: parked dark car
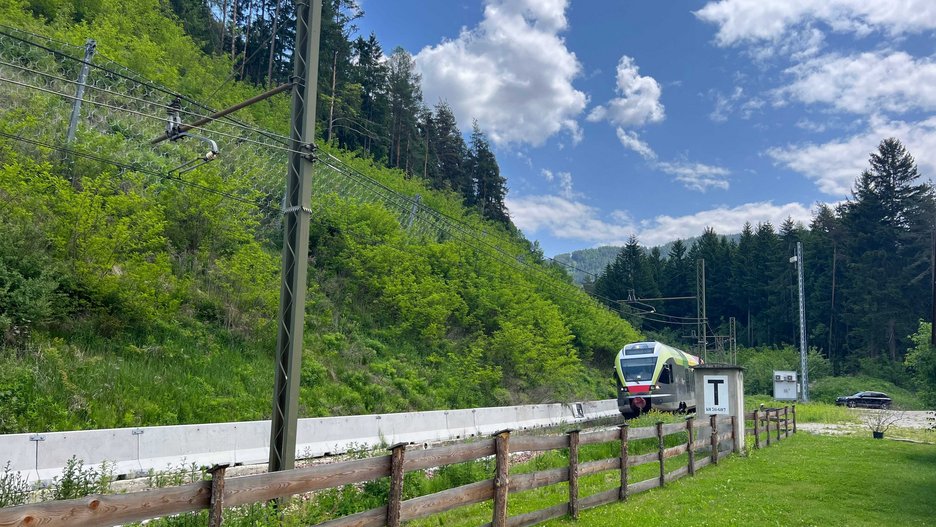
column 865, row 400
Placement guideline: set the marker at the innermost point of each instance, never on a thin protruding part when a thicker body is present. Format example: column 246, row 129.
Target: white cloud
column 568, row 219
column 865, row 83
column 724, row 220
column 631, row 141
column 724, row 104
column 638, row 102
column 835, row 165
column 574, row 220
column 513, row 73
column 693, row 176
column 696, row 176
column 564, row 179
column 770, row 20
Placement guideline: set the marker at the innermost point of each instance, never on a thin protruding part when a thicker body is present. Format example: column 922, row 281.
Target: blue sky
column 657, row 119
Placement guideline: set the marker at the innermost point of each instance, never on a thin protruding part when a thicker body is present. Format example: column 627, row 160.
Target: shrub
column 13, row 488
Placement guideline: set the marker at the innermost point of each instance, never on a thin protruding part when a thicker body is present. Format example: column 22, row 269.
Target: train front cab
column 636, row 372
column 654, row 376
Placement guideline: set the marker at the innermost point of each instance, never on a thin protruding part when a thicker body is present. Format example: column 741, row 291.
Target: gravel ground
column 908, row 419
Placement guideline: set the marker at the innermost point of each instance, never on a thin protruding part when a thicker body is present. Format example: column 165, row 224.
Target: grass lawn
column 805, row 480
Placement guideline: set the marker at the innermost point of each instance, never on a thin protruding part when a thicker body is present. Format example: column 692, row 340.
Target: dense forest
column 134, row 294
column 867, row 268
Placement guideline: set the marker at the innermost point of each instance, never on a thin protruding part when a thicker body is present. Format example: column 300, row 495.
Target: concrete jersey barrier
column 135, row 451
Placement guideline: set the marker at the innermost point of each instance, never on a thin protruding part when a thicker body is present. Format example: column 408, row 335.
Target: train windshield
column 637, row 370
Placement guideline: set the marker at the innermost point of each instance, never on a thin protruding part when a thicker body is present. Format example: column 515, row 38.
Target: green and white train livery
column 654, row 375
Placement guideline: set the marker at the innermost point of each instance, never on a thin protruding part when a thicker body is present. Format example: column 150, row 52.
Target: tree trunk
column 234, row 33
column 273, row 43
column 331, row 106
column 223, row 25
column 246, row 37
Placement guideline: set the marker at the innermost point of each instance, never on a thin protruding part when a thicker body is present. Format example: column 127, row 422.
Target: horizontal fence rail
column 706, row 440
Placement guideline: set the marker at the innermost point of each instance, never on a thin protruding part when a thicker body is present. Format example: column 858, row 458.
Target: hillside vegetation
column 130, row 295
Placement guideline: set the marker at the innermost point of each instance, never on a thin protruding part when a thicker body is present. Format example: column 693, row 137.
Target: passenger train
column 654, row 375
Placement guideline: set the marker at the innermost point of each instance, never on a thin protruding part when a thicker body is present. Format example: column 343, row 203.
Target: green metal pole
column 295, row 237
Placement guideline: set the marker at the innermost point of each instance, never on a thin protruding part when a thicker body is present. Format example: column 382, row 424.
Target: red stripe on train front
column 639, row 389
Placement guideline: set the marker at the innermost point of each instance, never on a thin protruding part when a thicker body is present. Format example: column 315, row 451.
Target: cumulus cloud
column 835, row 165
column 770, row 20
column 696, row 176
column 513, row 73
column 638, row 101
column 865, row 83
column 573, row 220
column 632, row 141
column 568, row 219
column 725, row 220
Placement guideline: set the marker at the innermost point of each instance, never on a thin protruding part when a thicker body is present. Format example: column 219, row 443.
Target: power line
column 483, row 241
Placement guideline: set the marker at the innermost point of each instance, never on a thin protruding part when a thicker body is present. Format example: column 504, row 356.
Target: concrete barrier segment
column 136, row 451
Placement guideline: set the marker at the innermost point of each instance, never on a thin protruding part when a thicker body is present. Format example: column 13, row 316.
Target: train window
column 638, row 369
column 666, row 375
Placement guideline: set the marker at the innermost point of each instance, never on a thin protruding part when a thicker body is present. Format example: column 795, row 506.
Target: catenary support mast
column 296, row 214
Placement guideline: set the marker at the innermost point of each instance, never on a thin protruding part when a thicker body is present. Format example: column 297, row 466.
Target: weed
column 175, row 476
column 14, row 490
column 78, row 481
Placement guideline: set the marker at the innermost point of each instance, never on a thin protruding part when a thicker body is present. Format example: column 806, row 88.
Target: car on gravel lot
column 865, row 400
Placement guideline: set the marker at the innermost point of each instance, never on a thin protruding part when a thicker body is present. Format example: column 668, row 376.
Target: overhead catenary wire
column 129, row 167
column 483, row 241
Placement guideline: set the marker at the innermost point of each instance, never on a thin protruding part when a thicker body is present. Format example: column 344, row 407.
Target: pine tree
column 490, row 187
column 405, row 103
column 888, row 222
column 451, row 154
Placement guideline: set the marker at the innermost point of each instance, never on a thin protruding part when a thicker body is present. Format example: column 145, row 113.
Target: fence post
column 624, row 461
column 501, row 479
column 397, row 453
column 689, row 447
column 90, row 47
column 794, row 418
column 714, row 422
column 573, row 473
column 767, row 425
column 777, row 413
column 756, row 429
column 736, row 445
column 786, row 421
column 216, row 507
column 659, row 429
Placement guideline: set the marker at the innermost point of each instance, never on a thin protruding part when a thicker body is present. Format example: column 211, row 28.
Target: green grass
column 811, row 412
column 806, row 480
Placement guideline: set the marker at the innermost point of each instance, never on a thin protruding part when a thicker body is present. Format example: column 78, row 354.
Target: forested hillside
column 867, row 267
column 134, row 291
column 585, row 265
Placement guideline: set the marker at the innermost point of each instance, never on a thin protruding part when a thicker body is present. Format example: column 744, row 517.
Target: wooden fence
column 771, row 424
column 707, row 442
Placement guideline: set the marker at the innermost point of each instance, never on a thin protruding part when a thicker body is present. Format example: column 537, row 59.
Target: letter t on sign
column 715, row 389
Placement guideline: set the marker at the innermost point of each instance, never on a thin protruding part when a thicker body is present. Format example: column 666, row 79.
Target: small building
column 784, row 385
